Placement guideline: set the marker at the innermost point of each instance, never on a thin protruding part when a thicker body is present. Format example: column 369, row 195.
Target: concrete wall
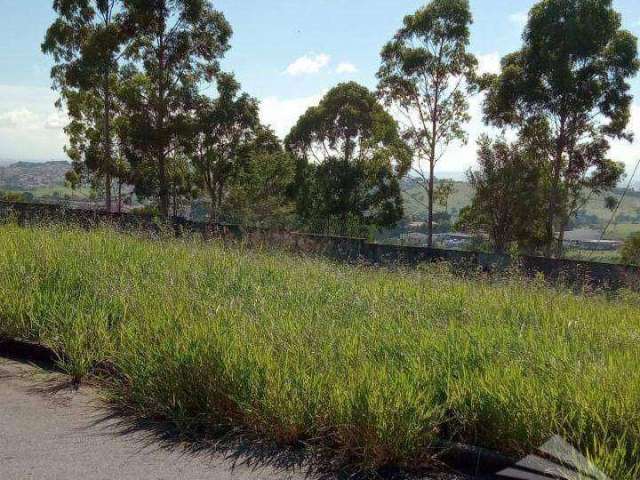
column 599, row 275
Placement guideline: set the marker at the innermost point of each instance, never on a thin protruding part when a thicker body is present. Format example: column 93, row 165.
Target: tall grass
column 375, row 366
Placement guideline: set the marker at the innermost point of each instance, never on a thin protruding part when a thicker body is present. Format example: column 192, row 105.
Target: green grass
column 593, row 255
column 373, row 366
column 622, row 231
column 62, row 191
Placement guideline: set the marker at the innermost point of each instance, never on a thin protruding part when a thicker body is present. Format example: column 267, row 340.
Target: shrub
column 631, row 250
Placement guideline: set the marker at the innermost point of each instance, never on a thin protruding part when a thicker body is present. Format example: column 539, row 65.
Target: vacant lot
column 371, row 367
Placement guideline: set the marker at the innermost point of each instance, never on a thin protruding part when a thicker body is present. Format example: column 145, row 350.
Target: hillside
column 30, row 176
column 594, row 214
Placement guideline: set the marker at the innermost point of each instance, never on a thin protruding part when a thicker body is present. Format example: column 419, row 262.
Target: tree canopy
column 149, row 105
column 87, row 42
column 223, row 127
column 508, row 195
column 428, row 75
column 350, row 157
column 175, row 46
column 570, row 79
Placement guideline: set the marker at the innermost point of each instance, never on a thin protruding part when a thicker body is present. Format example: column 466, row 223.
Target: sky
column 287, row 53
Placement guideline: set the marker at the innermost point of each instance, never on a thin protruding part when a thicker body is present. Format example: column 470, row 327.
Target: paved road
column 48, row 433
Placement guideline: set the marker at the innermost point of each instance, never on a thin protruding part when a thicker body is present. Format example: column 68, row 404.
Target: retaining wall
column 602, row 275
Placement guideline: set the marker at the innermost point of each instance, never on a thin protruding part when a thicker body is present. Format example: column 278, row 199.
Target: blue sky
column 287, row 53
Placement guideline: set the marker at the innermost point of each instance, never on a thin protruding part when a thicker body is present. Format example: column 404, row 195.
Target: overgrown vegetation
column 631, row 250
column 373, row 367
column 136, row 78
column 507, row 202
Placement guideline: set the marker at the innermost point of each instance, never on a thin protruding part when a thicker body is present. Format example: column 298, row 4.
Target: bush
column 631, row 250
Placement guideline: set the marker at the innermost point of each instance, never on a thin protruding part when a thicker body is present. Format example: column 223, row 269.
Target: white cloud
column 626, row 152
column 56, row 120
column 308, row 64
column 519, row 18
column 30, row 124
column 346, row 67
column 489, row 63
column 22, row 118
column 282, row 113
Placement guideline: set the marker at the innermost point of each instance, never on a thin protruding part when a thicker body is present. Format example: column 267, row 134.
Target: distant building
column 589, row 239
column 417, row 226
column 594, row 245
column 457, row 240
column 454, row 240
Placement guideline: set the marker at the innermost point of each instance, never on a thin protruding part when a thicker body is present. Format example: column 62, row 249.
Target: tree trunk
column 554, row 196
column 107, row 193
column 163, row 113
column 430, row 202
column 119, row 196
column 432, row 162
column 175, row 202
column 553, row 208
column 220, row 189
column 213, row 207
column 108, row 147
column 560, row 243
column 164, row 189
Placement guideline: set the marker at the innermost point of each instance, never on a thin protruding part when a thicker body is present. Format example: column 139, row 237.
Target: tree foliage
column 428, row 75
column 443, row 191
column 263, row 191
column 570, row 79
column 350, row 158
column 175, row 46
column 508, row 195
column 134, row 77
column 223, row 127
column 86, row 41
column 630, row 254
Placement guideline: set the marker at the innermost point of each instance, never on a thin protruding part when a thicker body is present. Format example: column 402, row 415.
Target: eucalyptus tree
column 262, row 192
column 508, row 199
column 87, row 42
column 350, row 158
column 176, row 48
column 428, row 75
column 443, row 192
column 222, row 127
column 122, row 172
column 570, row 79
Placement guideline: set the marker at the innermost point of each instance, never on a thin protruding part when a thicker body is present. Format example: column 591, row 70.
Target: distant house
column 456, row 240
column 443, row 240
column 417, row 226
column 589, row 239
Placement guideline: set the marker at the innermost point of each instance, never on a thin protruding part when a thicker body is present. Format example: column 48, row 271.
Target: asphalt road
column 50, row 432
